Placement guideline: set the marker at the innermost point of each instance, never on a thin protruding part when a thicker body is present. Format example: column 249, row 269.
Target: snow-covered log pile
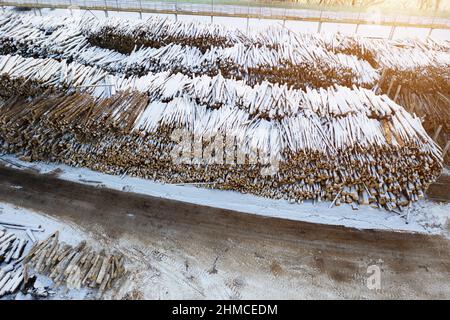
column 11, row 253
column 416, row 74
column 338, row 144
column 427, row 98
column 299, row 67
column 126, row 35
column 73, row 267
column 421, row 67
column 277, row 55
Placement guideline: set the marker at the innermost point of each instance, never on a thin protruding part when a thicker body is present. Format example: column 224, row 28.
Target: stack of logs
column 125, row 36
column 11, row 252
column 425, row 93
column 75, row 267
column 318, row 163
column 338, row 144
column 302, row 66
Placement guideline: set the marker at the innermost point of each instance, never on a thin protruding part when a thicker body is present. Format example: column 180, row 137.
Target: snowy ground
column 193, row 255
column 176, row 252
column 424, row 216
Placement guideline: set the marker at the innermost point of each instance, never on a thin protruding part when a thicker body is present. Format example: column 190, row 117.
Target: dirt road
column 180, row 250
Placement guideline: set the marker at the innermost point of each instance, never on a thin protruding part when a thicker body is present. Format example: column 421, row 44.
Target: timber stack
column 11, row 252
column 331, row 140
column 75, row 267
column 71, row 266
column 413, row 73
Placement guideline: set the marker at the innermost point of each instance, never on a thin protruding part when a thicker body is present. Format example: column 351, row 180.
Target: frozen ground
column 425, row 216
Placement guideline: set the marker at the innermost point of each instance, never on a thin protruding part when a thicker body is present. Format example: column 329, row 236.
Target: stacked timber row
column 413, row 73
column 304, row 65
column 337, row 144
column 427, row 97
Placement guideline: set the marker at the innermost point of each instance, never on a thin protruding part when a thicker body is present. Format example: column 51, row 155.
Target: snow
column 424, row 217
column 302, row 26
column 194, row 18
column 442, row 34
column 404, row 32
column 237, row 23
column 121, row 14
column 343, row 28
column 446, row 171
column 258, row 25
column 369, row 30
column 13, row 214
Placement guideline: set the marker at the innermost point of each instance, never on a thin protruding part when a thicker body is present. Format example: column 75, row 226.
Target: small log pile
column 413, row 73
column 11, row 253
column 76, row 267
column 11, row 247
column 73, row 267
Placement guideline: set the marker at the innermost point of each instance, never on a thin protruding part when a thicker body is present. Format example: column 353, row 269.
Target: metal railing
column 248, row 9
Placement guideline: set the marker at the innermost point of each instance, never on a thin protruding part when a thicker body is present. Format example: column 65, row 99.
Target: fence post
column 140, row 9
column 176, row 10
column 319, row 27
column 432, row 20
column 106, row 10
column 358, row 20
column 391, row 33
column 38, row 8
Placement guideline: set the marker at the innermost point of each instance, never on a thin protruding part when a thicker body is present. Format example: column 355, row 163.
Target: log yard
column 167, row 158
